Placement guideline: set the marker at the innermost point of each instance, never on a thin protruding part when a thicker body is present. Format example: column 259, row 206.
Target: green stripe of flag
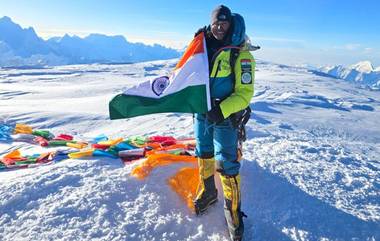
column 192, row 99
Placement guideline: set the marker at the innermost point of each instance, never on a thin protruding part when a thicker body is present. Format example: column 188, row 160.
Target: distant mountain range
column 23, row 47
column 362, row 73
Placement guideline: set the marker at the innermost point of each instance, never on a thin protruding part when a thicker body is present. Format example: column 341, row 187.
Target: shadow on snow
column 274, row 204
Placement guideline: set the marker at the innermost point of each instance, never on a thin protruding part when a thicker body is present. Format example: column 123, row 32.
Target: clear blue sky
column 318, row 32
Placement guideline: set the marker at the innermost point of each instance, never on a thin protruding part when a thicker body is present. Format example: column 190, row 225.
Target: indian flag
column 186, row 90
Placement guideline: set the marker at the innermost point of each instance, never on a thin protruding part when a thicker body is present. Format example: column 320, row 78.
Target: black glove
column 204, row 30
column 215, row 115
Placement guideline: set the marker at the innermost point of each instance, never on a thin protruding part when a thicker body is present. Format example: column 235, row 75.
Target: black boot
column 207, row 196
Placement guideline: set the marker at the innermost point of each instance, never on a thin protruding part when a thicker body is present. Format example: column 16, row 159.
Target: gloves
column 204, row 30
column 215, row 115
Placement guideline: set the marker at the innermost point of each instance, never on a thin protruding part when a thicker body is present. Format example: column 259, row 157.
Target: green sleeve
column 244, row 85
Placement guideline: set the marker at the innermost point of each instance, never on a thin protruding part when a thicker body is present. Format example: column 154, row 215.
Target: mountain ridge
column 362, row 73
column 22, row 46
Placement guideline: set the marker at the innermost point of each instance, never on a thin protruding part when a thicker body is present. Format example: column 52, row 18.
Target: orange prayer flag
column 155, row 160
column 185, row 183
column 13, row 154
column 12, row 157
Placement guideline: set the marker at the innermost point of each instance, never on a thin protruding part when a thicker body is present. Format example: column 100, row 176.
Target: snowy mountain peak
column 362, row 72
column 6, row 24
column 5, row 19
column 7, row 27
column 22, row 46
column 24, row 42
column 363, row 66
column 333, row 69
column 101, row 39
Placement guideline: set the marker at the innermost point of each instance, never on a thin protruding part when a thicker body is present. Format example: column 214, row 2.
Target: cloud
column 352, row 46
column 369, row 50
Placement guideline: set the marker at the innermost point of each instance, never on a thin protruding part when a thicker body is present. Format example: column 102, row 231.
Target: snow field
column 310, row 169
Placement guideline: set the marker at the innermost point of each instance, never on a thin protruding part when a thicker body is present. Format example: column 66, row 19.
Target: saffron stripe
column 196, row 46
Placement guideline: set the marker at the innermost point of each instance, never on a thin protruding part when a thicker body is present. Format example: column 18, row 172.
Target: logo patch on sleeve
column 246, row 78
column 246, row 71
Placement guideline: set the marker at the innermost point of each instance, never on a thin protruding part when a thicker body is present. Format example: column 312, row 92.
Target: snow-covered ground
column 311, row 168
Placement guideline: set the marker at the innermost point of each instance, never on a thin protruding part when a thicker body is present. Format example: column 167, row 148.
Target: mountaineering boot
column 207, row 194
column 207, row 197
column 232, row 202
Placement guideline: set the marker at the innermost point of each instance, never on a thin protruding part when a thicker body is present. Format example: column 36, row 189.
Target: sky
column 315, row 32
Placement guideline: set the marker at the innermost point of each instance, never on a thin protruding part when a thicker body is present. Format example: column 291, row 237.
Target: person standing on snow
column 216, row 132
